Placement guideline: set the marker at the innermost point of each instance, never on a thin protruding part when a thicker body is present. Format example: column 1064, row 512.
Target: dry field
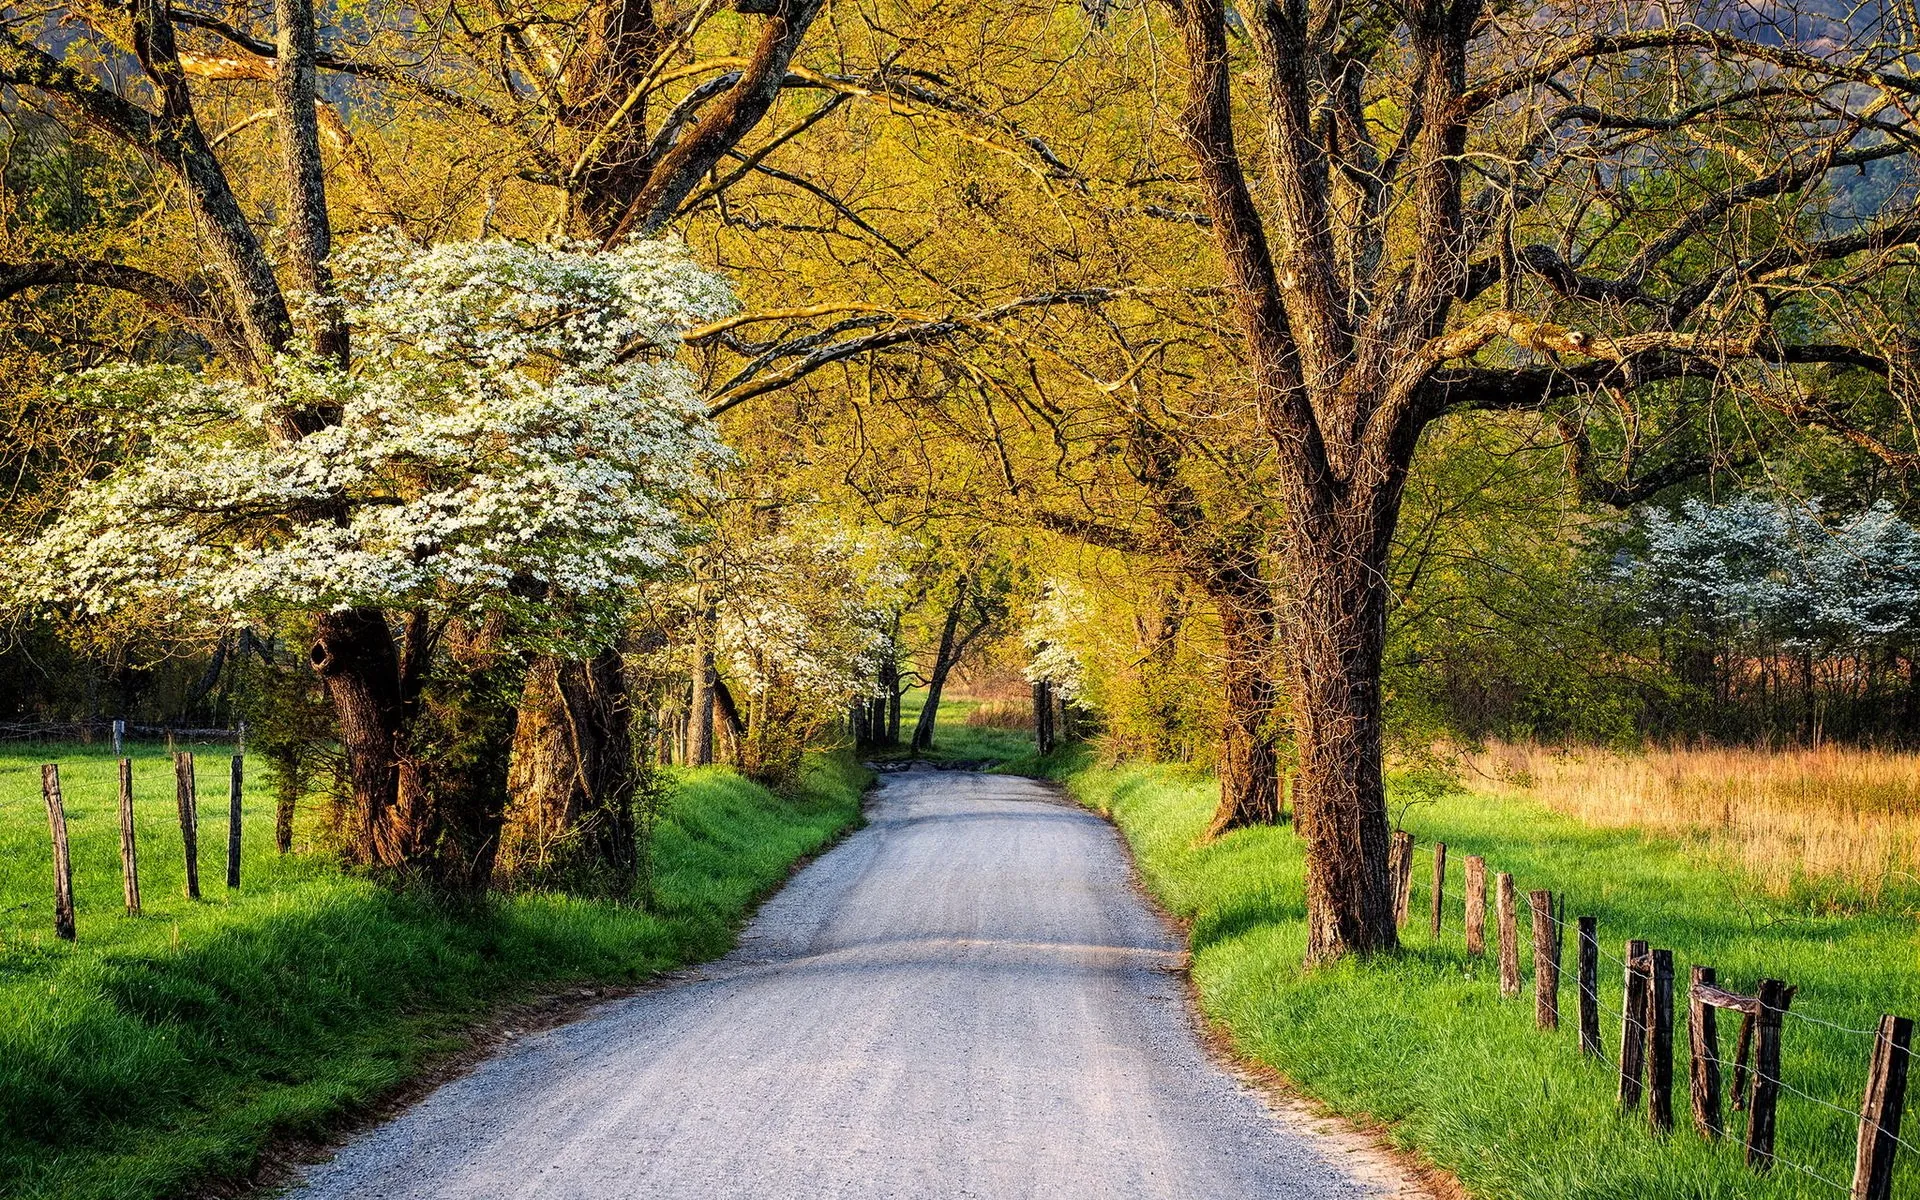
column 1843, row 824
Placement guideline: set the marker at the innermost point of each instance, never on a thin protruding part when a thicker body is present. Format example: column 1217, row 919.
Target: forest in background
column 487, row 406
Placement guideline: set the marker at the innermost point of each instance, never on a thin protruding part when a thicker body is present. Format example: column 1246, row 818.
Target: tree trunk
column 700, row 707
column 729, row 730
column 1337, row 635
column 1249, row 767
column 356, row 659
column 573, row 778
column 942, row 666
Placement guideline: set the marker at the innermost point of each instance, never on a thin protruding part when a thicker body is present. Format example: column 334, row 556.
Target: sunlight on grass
column 160, row 1050
column 1422, row 1039
column 1837, row 824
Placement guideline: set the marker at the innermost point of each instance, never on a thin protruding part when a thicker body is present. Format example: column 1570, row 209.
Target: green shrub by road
column 161, row 1051
column 1422, row 1043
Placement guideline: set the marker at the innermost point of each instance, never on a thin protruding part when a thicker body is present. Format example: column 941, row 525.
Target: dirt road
column 964, row 999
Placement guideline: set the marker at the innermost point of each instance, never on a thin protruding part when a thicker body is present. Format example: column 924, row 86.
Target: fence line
column 1755, row 1080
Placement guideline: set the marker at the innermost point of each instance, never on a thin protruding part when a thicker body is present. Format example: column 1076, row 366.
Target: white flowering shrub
column 513, row 429
column 811, row 612
column 1757, row 568
column 1059, row 620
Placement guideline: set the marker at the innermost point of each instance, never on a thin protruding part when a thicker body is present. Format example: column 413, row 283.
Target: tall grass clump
column 1834, row 824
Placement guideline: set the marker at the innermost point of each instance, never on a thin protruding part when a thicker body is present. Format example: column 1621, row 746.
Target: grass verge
column 1421, row 1043
column 161, row 1052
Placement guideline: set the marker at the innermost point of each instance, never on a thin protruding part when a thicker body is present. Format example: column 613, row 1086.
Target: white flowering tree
column 496, row 468
column 1756, row 591
column 804, row 622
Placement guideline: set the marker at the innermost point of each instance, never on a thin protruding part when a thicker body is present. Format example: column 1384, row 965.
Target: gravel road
column 964, row 999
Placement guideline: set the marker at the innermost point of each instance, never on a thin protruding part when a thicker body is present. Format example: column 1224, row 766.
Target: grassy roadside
column 1422, row 1043
column 164, row 1051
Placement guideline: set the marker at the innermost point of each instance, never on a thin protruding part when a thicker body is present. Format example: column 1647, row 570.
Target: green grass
column 956, row 741
column 1422, row 1043
column 162, row 1051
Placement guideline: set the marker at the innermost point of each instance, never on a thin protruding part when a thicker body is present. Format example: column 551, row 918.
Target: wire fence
column 1450, row 913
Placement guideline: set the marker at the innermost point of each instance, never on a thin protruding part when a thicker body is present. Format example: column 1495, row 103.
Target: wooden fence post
column 63, row 926
column 119, row 738
column 1546, row 960
column 1703, row 1072
column 1774, row 998
column 1589, row 969
column 1660, row 1042
column 233, row 822
column 1439, row 887
column 1880, row 1110
column 183, row 794
column 1509, row 936
column 129, row 859
column 1403, row 875
column 1476, row 905
column 1633, row 1030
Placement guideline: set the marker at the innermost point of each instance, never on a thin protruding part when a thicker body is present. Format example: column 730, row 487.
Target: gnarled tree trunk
column 573, row 778
column 1249, row 766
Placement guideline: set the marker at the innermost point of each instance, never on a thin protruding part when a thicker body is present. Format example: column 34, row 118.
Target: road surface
column 966, row 998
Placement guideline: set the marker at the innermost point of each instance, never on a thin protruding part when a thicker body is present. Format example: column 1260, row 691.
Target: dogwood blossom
column 513, row 426
column 1061, row 615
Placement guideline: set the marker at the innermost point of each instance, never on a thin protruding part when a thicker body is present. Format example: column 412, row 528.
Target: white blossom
column 513, row 425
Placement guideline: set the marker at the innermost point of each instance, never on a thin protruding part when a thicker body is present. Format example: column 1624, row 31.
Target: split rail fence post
column 1439, row 886
column 1403, row 875
column 1504, row 904
column 1703, row 1039
column 1546, row 960
column 1588, row 966
column 1880, row 1110
column 63, row 926
column 184, row 798
column 1476, row 905
column 1774, row 998
column 1633, row 1032
column 129, row 858
column 1660, row 1042
column 233, row 822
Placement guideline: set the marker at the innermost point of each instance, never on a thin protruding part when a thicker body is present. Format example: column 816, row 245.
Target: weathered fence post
column 129, row 859
column 233, row 822
column 1546, row 960
column 1703, row 1072
column 63, row 926
column 1476, row 905
column 183, row 793
column 1660, row 1042
column 1742, row 1051
column 1509, row 936
column 1589, row 969
column 119, row 738
column 1633, row 1029
column 1403, row 875
column 1439, row 887
column 1880, row 1110
column 1774, row 998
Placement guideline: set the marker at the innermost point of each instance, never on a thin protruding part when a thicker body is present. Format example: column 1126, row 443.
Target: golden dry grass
column 1790, row 818
column 1002, row 714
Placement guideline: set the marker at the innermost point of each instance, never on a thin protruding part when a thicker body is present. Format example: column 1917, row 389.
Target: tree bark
column 572, row 779
column 1249, row 766
column 700, row 707
column 356, row 659
column 1336, row 638
column 942, row 665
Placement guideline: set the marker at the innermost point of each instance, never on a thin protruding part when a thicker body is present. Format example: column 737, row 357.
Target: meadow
column 1833, row 826
column 159, row 1052
column 1421, row 1043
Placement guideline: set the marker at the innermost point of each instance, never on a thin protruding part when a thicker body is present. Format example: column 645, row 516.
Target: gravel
column 966, row 998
